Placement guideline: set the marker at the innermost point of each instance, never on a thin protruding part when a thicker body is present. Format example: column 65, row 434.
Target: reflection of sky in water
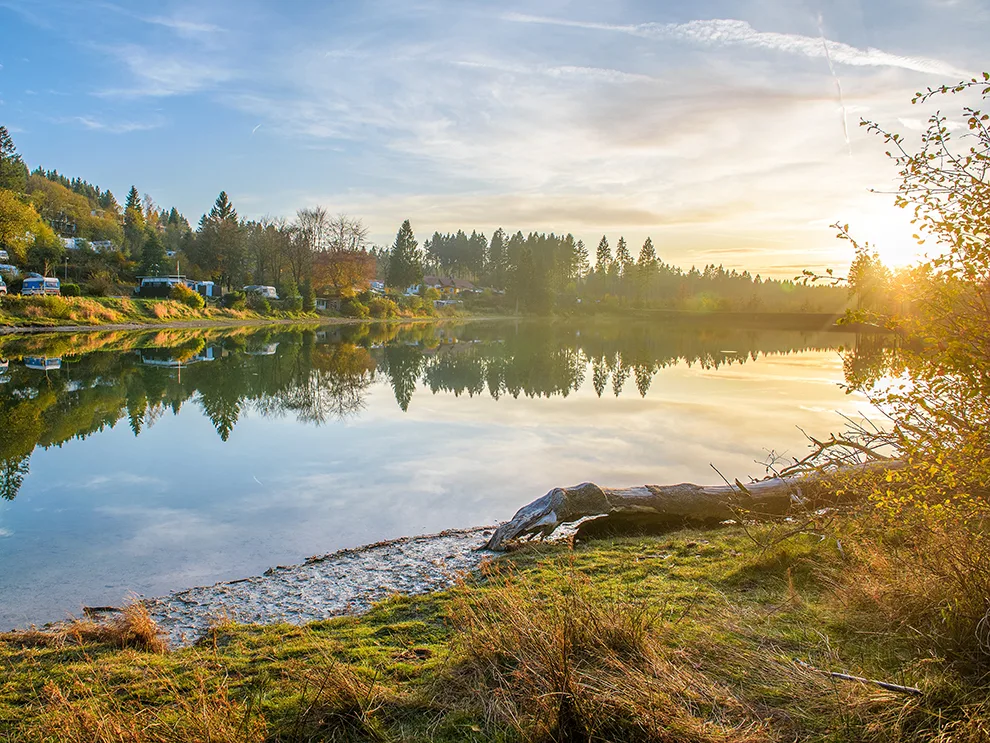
column 176, row 506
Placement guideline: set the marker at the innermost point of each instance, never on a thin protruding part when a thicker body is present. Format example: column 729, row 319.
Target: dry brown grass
column 579, row 668
column 338, row 703
column 131, row 628
column 88, row 712
column 931, row 582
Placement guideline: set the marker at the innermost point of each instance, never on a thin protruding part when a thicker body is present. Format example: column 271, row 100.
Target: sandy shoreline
column 348, row 581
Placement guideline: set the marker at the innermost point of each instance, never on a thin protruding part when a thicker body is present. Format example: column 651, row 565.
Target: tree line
column 319, row 253
column 540, row 273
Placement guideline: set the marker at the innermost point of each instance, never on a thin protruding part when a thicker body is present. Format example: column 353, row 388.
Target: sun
column 889, row 232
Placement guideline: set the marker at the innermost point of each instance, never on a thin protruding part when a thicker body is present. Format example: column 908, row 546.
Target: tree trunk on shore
column 655, row 506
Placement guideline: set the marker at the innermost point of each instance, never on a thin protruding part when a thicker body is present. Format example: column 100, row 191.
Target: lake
column 139, row 463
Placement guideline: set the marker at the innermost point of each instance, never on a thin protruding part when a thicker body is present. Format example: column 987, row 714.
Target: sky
column 726, row 131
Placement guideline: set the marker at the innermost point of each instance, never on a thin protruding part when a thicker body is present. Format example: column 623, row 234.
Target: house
column 103, row 246
column 378, row 287
column 326, row 303
column 446, row 286
column 73, row 243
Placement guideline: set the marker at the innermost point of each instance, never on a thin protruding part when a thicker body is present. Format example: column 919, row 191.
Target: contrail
column 838, row 83
column 256, row 129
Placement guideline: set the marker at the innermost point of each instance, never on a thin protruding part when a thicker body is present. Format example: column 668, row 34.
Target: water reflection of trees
column 318, row 377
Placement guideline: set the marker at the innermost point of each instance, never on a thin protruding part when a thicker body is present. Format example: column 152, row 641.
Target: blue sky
column 721, row 129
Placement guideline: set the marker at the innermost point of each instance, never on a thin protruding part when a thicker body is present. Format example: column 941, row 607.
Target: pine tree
column 223, row 209
column 133, row 199
column 405, row 266
column 647, row 256
column 13, row 171
column 647, row 266
column 581, row 259
column 219, row 246
column 622, row 258
column 154, row 262
column 603, row 257
column 308, row 296
column 497, row 259
column 134, row 235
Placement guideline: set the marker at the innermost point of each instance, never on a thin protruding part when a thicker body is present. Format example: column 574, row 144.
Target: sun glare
column 889, row 232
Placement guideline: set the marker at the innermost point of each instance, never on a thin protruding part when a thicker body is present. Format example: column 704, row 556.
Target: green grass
column 687, row 636
column 17, row 311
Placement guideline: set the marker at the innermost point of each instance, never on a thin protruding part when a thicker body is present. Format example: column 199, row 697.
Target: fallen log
column 652, row 506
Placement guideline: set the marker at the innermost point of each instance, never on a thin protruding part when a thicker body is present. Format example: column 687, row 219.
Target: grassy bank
column 16, row 311
column 32, row 313
column 684, row 637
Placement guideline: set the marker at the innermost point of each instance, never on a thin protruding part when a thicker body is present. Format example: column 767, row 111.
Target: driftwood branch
column 672, row 505
column 859, row 679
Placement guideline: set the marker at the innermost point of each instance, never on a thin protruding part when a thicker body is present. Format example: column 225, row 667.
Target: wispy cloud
column 573, row 72
column 111, row 127
column 184, row 26
column 162, row 75
column 722, row 32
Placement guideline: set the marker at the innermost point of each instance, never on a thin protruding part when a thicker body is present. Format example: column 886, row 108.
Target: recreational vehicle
column 41, row 285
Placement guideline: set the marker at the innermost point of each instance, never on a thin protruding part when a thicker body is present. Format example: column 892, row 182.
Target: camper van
column 268, row 292
column 41, row 285
column 158, row 287
column 4, row 256
column 207, row 288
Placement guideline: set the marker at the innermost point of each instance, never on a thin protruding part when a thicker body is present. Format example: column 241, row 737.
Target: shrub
column 292, row 303
column 71, row 290
column 234, row 301
column 353, row 308
column 188, row 297
column 308, row 296
column 381, row 307
column 258, row 304
column 101, row 284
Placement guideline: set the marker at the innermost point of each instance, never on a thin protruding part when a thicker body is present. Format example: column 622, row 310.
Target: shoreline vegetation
column 73, row 314
column 553, row 641
column 53, row 313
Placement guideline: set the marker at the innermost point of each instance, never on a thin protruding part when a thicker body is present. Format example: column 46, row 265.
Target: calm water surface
column 143, row 463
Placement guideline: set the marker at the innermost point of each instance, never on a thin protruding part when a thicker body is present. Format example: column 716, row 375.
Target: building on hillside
column 446, row 286
column 103, row 246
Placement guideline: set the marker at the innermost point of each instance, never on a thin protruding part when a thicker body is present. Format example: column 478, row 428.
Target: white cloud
column 726, row 32
column 161, row 75
column 112, row 127
column 184, row 26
